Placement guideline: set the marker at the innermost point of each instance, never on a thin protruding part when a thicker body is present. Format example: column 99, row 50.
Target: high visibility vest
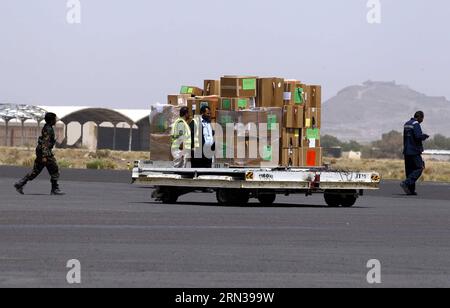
column 181, row 126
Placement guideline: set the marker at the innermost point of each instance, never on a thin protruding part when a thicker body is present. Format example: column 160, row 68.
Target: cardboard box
column 310, row 138
column 238, row 86
column 270, row 92
column 191, row 104
column 226, row 149
column 290, row 157
column 162, row 117
column 313, row 118
column 272, row 116
column 291, row 138
column 225, row 117
column 306, row 89
column 258, row 152
column 310, row 143
column 211, row 87
column 247, row 123
column 191, row 90
column 235, row 104
column 211, row 101
column 178, row 99
column 293, row 93
column 270, row 152
column 246, row 152
column 160, row 147
column 312, row 157
column 293, row 116
column 242, row 149
column 248, row 117
column 315, row 100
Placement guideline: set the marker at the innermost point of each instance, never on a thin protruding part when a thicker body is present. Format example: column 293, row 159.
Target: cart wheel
column 230, row 197
column 222, row 197
column 168, row 195
column 333, row 200
column 348, row 201
column 267, row 200
column 169, row 198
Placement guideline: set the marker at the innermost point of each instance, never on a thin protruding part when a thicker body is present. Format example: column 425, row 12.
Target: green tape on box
column 313, row 133
column 184, row 90
column 267, row 154
column 224, row 120
column 190, row 91
column 226, row 104
column 162, row 125
column 299, row 96
column 271, row 121
column 242, row 104
column 249, row 84
column 224, row 151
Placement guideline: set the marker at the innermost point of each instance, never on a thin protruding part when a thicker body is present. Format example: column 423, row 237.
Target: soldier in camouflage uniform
column 44, row 157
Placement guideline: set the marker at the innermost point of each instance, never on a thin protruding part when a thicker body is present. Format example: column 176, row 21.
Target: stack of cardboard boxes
column 239, row 118
column 241, row 106
column 311, row 150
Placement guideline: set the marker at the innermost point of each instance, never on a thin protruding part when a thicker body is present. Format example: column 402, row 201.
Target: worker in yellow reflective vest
column 181, row 139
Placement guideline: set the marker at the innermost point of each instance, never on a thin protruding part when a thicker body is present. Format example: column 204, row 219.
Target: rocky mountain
column 365, row 112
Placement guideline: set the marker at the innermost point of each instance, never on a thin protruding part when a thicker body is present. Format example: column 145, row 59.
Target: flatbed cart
column 235, row 186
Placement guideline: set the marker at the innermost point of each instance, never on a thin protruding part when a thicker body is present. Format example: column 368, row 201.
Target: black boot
column 20, row 185
column 55, row 189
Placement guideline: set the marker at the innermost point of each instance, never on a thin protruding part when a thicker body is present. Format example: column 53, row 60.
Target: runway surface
column 124, row 239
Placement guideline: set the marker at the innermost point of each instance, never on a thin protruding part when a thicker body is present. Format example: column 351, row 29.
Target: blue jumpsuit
column 413, row 149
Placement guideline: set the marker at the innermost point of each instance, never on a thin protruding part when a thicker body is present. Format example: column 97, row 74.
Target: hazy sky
column 130, row 54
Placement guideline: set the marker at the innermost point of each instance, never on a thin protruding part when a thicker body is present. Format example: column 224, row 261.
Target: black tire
column 169, row 196
column 232, row 197
column 267, row 200
column 333, row 200
column 222, row 197
column 348, row 201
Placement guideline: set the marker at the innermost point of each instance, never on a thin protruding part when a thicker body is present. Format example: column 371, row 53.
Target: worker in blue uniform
column 413, row 148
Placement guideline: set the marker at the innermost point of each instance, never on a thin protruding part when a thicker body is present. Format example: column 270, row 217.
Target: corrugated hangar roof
column 98, row 115
column 67, row 114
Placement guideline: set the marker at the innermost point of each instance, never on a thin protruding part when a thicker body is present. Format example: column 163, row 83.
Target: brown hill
column 364, row 112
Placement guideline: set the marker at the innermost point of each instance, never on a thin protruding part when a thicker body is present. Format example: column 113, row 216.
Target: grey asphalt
column 124, row 239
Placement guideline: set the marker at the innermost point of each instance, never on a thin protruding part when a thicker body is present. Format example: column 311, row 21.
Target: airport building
column 78, row 127
column 437, row 155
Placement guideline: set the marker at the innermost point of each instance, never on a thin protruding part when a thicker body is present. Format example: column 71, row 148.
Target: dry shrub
column 102, row 154
column 64, row 164
column 101, row 164
column 29, row 162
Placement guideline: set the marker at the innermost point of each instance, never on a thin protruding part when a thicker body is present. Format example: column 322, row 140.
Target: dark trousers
column 203, row 162
column 414, row 166
column 51, row 165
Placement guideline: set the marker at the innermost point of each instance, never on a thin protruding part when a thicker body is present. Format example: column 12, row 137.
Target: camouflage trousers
column 39, row 165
